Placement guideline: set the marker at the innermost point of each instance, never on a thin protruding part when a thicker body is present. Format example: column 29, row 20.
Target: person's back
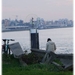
column 50, row 46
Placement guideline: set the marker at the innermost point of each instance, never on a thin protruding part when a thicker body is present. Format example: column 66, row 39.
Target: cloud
column 69, row 1
column 39, row 7
column 64, row 2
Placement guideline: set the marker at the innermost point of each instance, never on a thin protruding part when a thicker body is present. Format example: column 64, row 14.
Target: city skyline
column 47, row 9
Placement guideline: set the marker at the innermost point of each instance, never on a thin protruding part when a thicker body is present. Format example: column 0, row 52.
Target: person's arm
column 54, row 46
column 46, row 47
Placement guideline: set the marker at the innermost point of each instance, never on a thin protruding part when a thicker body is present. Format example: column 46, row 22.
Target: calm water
column 63, row 38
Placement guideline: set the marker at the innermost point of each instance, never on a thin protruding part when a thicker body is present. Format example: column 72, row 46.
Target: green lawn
column 11, row 66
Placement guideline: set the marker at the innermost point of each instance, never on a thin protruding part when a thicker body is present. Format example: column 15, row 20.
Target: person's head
column 48, row 39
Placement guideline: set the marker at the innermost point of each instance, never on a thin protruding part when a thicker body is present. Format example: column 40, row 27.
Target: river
column 63, row 38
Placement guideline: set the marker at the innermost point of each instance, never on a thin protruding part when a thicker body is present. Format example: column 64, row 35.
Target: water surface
column 63, row 38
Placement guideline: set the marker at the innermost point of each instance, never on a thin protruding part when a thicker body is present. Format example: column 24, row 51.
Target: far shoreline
column 29, row 29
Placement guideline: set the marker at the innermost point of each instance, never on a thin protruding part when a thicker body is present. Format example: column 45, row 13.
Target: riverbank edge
column 29, row 29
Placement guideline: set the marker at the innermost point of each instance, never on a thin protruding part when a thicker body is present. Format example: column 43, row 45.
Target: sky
column 46, row 9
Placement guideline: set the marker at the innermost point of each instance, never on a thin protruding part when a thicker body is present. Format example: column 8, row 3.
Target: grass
column 11, row 66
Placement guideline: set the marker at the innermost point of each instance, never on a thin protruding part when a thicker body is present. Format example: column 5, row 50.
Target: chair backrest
column 16, row 49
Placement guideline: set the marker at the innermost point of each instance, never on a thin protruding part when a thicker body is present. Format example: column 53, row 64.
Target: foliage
column 31, row 58
column 11, row 66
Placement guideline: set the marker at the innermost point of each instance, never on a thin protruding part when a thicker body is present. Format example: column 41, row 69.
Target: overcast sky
column 46, row 9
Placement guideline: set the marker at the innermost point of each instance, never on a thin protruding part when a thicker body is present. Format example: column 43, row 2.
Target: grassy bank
column 11, row 66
